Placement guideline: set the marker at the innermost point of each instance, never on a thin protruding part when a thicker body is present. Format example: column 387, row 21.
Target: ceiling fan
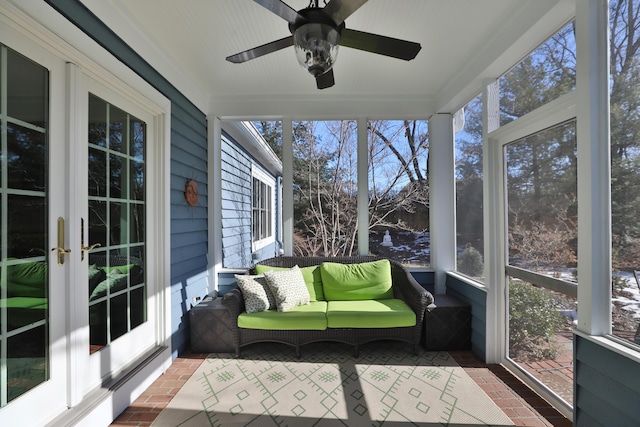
column 316, row 34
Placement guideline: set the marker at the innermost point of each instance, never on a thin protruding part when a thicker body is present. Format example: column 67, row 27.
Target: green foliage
column 470, row 262
column 533, row 321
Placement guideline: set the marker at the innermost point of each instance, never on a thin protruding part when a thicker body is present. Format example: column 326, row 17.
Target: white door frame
column 25, row 32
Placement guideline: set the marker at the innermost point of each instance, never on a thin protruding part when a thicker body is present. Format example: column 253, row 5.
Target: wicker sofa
column 404, row 287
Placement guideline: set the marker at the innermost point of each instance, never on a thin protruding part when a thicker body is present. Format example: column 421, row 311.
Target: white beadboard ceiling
column 464, row 43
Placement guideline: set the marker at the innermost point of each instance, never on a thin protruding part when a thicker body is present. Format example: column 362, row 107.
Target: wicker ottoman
column 448, row 326
column 211, row 327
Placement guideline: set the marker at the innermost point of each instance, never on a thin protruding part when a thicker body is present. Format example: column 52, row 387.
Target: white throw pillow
column 288, row 287
column 256, row 293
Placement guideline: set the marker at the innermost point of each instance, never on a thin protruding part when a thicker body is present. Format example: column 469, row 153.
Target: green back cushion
column 350, row 282
column 29, row 273
column 311, row 276
column 27, row 280
column 115, row 281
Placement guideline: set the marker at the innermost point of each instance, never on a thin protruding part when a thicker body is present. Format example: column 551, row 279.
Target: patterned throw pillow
column 288, row 288
column 256, row 293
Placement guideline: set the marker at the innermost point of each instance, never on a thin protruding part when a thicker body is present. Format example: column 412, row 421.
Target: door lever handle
column 88, row 249
column 60, row 248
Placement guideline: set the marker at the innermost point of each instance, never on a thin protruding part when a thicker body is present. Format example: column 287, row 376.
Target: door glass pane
column 117, row 294
column 24, row 321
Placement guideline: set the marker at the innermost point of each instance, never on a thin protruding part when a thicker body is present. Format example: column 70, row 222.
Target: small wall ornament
column 191, row 192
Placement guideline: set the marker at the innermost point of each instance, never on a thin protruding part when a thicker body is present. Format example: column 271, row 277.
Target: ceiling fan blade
column 325, row 80
column 260, row 50
column 382, row 45
column 281, row 9
column 339, row 10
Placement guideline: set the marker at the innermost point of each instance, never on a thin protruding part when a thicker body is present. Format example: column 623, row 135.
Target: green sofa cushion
column 24, row 302
column 309, row 317
column 27, row 280
column 122, row 269
column 385, row 313
column 115, row 281
column 23, row 311
column 363, row 281
column 312, row 279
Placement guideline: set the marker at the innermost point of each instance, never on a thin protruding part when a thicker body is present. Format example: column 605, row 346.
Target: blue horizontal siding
column 607, row 386
column 236, row 205
column 426, row 279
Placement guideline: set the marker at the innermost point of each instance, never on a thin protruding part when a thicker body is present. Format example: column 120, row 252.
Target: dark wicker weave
column 405, row 288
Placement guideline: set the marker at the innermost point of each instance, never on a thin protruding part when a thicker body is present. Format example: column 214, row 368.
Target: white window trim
column 263, row 177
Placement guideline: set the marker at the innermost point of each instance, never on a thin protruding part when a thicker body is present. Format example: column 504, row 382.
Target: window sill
column 468, row 280
column 607, row 342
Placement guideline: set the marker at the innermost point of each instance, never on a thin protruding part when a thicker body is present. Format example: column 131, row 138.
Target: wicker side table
column 448, row 326
column 211, row 327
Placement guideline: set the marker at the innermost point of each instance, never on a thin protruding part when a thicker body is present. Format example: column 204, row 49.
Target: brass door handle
column 87, row 249
column 92, row 247
column 60, row 248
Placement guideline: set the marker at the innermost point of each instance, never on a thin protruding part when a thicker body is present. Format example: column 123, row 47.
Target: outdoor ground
column 408, row 247
column 557, row 373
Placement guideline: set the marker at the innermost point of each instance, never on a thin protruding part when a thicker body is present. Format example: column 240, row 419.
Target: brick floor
column 516, row 399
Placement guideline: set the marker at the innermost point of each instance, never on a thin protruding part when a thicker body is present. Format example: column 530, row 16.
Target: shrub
column 470, row 262
column 533, row 321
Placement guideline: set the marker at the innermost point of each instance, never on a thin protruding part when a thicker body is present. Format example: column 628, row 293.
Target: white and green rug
column 386, row 386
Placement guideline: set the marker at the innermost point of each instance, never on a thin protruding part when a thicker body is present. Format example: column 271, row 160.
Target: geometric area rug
column 387, row 385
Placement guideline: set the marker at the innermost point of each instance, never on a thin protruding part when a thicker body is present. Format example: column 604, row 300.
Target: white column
column 594, row 174
column 442, row 194
column 494, row 230
column 287, row 185
column 214, row 157
column 363, row 188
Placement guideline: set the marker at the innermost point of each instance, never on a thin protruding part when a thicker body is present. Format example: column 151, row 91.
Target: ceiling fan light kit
column 316, row 47
column 316, row 34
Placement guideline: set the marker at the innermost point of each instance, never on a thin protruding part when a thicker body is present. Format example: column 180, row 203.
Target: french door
column 32, row 284
column 114, row 248
column 76, row 305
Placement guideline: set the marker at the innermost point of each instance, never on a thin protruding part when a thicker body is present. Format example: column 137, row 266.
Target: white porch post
column 442, row 194
column 214, row 148
column 363, row 188
column 594, row 167
column 494, row 248
column 287, row 185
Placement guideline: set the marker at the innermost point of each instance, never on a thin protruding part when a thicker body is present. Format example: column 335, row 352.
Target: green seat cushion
column 386, row 313
column 363, row 281
column 312, row 279
column 23, row 311
column 24, row 302
column 309, row 317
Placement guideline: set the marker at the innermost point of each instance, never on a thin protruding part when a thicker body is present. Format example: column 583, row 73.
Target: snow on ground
column 631, row 304
column 415, row 248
